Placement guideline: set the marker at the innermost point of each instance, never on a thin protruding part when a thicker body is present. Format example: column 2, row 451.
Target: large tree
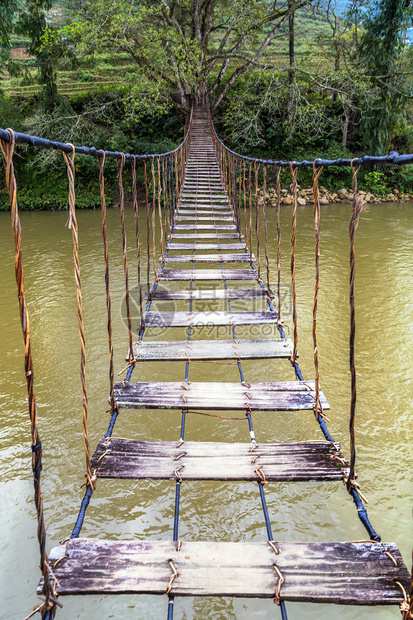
column 381, row 52
column 200, row 47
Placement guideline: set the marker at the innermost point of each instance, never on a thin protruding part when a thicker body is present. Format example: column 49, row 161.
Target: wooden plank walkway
column 345, row 572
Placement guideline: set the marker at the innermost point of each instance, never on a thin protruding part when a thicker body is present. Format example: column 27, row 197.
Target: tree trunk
column 347, row 112
column 291, row 71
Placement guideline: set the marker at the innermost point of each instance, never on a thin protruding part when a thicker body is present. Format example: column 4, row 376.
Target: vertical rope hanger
column 48, row 608
column 278, row 204
column 356, row 210
column 138, row 244
column 101, row 161
column 316, row 196
column 294, row 171
column 155, row 271
column 267, row 263
column 160, row 191
column 166, row 197
column 240, row 197
column 120, row 165
column 72, row 224
column 148, row 235
column 250, row 204
column 245, row 200
column 257, row 219
column 177, row 193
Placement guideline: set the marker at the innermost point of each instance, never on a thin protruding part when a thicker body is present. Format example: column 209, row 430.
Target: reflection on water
column 210, row 511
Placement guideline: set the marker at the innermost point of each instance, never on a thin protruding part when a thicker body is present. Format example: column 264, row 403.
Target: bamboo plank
column 282, row 396
column 345, row 573
column 212, row 349
column 127, row 458
column 207, row 319
column 207, row 274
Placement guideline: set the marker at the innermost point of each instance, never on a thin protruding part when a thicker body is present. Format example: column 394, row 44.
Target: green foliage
column 374, row 182
column 401, row 178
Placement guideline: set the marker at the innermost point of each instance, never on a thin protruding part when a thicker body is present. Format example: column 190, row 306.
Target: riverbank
column 305, row 196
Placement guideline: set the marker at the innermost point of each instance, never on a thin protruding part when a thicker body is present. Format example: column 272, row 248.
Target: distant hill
column 341, row 6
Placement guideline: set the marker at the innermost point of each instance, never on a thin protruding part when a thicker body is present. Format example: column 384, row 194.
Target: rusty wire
column 316, row 196
column 293, row 243
column 72, row 223
column 120, row 165
column 49, row 605
column 138, row 244
column 356, row 210
column 101, row 161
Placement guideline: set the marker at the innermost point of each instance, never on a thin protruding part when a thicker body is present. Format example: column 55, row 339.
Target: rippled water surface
column 209, row 511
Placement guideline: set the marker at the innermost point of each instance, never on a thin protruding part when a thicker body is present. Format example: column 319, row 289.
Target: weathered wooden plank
column 207, row 274
column 194, row 225
column 207, row 319
column 212, row 349
column 205, row 205
column 346, row 573
column 282, row 396
column 196, row 218
column 219, row 196
column 211, row 213
column 210, row 258
column 206, row 246
column 212, row 293
column 201, row 236
column 206, row 186
column 127, row 458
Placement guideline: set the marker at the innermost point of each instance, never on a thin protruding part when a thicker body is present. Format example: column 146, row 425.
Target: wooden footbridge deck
column 205, row 230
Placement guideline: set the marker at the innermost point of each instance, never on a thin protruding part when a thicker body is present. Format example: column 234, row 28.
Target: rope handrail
column 393, row 158
column 25, row 138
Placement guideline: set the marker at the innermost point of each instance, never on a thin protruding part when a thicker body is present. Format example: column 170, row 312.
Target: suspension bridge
column 203, row 220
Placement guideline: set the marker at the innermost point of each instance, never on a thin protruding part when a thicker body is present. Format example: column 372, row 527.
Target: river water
column 209, row 511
